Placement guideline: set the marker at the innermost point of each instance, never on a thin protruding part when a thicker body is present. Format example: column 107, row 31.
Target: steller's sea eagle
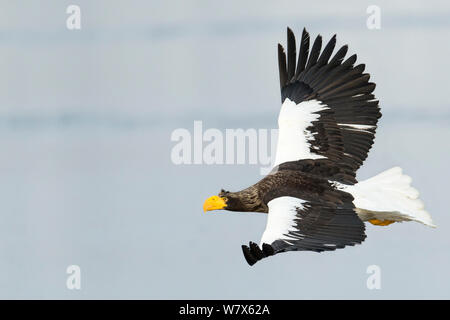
column 327, row 125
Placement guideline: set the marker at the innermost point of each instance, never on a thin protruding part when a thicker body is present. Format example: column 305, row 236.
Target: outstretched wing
column 328, row 110
column 295, row 224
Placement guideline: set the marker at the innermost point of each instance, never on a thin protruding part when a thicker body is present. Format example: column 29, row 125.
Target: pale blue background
column 85, row 124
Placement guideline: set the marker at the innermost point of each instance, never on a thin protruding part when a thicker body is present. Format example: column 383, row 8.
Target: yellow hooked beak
column 214, row 203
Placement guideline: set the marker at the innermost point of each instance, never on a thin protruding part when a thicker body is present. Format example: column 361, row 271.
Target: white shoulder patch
column 280, row 220
column 293, row 137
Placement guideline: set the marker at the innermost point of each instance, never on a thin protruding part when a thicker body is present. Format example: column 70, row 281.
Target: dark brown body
column 309, row 180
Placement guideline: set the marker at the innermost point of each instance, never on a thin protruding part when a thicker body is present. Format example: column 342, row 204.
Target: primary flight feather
column 327, row 125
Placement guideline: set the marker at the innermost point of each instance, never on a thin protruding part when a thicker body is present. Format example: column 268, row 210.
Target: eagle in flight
column 327, row 125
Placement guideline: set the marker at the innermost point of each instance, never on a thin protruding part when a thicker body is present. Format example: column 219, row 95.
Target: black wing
column 294, row 224
column 345, row 131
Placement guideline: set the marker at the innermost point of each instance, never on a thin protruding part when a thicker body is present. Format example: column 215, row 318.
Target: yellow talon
column 381, row 222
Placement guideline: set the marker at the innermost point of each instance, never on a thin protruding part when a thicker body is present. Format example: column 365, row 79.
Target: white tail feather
column 389, row 196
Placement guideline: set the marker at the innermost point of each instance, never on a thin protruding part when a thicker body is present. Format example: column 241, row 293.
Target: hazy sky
column 85, row 123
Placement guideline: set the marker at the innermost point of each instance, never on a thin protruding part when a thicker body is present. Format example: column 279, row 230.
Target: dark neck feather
column 246, row 200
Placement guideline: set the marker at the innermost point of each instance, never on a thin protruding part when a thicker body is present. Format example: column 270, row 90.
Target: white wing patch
column 280, row 220
column 357, row 126
column 293, row 136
